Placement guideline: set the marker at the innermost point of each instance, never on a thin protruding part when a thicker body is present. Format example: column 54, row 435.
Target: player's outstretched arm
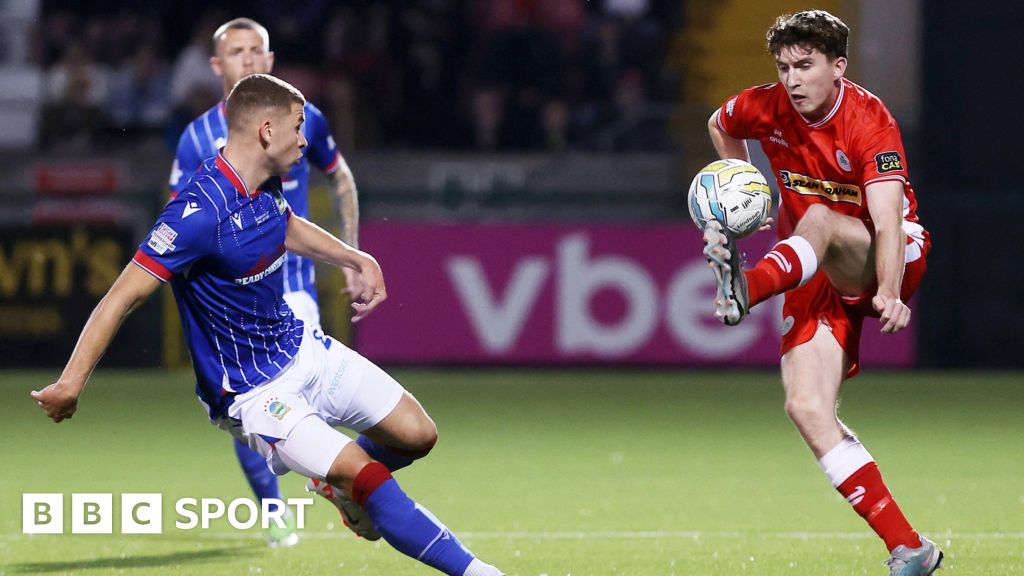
column 307, row 239
column 347, row 199
column 344, row 185
column 885, row 203
column 60, row 399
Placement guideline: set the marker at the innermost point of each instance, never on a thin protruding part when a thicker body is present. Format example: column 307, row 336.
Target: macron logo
column 782, row 261
column 856, row 496
column 191, row 208
column 237, row 219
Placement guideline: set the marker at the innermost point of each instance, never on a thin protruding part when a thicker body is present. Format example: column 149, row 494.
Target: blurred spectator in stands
column 296, row 27
column 519, row 87
column 360, row 77
column 76, row 90
column 140, row 91
column 194, row 86
column 636, row 124
column 431, row 49
column 620, row 59
column 298, row 30
column 54, row 35
column 486, row 74
column 639, row 38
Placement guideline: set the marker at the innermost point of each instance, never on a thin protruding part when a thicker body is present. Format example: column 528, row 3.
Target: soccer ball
column 733, row 192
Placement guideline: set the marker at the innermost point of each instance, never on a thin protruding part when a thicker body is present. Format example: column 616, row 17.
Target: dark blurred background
column 527, row 112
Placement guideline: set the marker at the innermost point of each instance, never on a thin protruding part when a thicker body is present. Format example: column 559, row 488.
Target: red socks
column 870, row 498
column 368, row 480
column 790, row 263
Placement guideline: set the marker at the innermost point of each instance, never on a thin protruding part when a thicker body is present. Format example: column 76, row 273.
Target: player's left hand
column 894, row 314
column 372, row 292
column 353, row 286
column 767, row 225
column 57, row 400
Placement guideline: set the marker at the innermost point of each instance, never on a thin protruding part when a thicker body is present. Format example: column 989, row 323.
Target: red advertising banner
column 577, row 294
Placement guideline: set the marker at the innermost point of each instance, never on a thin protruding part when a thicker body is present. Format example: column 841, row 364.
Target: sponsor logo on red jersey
column 888, row 162
column 834, row 191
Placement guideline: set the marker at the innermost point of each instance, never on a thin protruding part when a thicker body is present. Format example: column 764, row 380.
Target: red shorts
column 818, row 303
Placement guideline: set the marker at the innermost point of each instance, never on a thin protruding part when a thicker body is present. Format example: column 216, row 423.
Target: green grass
column 553, row 472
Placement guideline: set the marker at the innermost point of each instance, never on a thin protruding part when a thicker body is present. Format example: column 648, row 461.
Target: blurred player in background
column 265, row 376
column 241, row 48
column 851, row 247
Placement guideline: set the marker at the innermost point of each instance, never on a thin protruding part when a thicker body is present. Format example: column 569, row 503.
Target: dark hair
column 259, row 91
column 810, row 29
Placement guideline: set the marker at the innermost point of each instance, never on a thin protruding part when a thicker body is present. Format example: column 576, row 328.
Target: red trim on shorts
column 368, row 480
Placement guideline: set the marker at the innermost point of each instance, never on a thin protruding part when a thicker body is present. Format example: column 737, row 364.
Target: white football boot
column 724, row 260
column 921, row 561
column 353, row 515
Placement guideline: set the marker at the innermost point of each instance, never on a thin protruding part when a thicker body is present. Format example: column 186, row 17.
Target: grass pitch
column 552, row 473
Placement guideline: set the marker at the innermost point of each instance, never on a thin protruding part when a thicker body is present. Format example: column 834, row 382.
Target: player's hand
column 894, row 314
column 372, row 292
column 57, row 400
column 767, row 225
column 353, row 286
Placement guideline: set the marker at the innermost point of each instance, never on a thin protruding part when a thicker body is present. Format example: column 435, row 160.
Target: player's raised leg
column 394, row 429
column 812, row 374
column 407, row 526
column 402, row 437
column 824, row 239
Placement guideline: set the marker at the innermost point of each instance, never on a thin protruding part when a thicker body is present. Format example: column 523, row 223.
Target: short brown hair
column 810, row 29
column 241, row 24
column 260, row 91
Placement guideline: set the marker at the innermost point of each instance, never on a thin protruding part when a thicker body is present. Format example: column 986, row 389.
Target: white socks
column 804, row 251
column 478, row 568
column 842, row 461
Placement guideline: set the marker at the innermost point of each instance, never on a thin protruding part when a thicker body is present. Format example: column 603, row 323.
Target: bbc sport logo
column 142, row 513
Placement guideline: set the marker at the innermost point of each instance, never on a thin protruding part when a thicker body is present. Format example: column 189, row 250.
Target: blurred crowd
column 454, row 74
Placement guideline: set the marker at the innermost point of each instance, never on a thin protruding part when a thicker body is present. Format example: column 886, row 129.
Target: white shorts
column 304, row 307
column 326, row 380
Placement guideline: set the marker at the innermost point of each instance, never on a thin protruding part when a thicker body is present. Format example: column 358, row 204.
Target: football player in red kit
column 851, row 246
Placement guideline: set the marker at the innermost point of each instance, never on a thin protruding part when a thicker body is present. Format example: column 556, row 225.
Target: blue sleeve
column 186, row 161
column 321, row 149
column 185, row 232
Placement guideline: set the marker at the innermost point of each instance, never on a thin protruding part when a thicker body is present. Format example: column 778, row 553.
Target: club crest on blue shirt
column 282, row 204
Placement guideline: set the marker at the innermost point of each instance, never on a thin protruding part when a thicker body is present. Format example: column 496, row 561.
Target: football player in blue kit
column 265, row 376
column 242, row 47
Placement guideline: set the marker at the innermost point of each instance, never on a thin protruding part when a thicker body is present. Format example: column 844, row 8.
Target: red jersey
column 830, row 161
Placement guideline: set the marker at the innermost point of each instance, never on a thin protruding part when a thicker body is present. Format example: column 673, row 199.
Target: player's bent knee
column 427, row 441
column 421, row 440
column 807, row 411
column 817, row 213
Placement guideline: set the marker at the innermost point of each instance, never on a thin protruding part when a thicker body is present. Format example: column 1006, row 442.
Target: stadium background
column 520, row 164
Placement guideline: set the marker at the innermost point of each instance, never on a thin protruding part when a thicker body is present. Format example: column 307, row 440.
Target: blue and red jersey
column 222, row 247
column 209, row 132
